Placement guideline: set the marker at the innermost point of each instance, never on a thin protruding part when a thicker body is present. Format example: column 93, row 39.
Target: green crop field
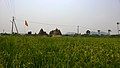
column 59, row 52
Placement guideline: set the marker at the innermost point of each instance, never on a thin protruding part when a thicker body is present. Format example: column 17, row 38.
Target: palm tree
column 109, row 32
column 118, row 27
column 98, row 32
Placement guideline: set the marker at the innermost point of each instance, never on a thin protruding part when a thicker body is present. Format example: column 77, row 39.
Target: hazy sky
column 62, row 14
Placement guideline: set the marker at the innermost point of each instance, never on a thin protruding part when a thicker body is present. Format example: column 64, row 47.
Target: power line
column 58, row 25
column 38, row 23
column 7, row 5
column 47, row 23
column 10, row 5
column 12, row 2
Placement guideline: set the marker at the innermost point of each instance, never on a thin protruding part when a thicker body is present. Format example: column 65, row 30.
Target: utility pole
column 78, row 29
column 3, row 30
column 16, row 27
column 118, row 27
column 13, row 23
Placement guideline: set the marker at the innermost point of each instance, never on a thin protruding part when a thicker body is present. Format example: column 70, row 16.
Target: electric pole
column 77, row 29
column 118, row 27
column 13, row 23
column 3, row 31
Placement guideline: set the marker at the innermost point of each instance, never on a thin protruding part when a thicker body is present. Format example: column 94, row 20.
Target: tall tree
column 88, row 32
column 42, row 32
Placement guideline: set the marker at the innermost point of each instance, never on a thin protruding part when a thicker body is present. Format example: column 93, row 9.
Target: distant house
column 55, row 32
column 42, row 32
column 96, row 33
column 70, row 33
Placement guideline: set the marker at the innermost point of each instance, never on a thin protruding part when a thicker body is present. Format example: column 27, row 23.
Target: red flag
column 26, row 23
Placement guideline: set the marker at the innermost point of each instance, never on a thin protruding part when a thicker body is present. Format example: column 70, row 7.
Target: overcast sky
column 62, row 14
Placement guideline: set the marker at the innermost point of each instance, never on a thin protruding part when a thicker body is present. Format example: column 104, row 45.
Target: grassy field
column 59, row 52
